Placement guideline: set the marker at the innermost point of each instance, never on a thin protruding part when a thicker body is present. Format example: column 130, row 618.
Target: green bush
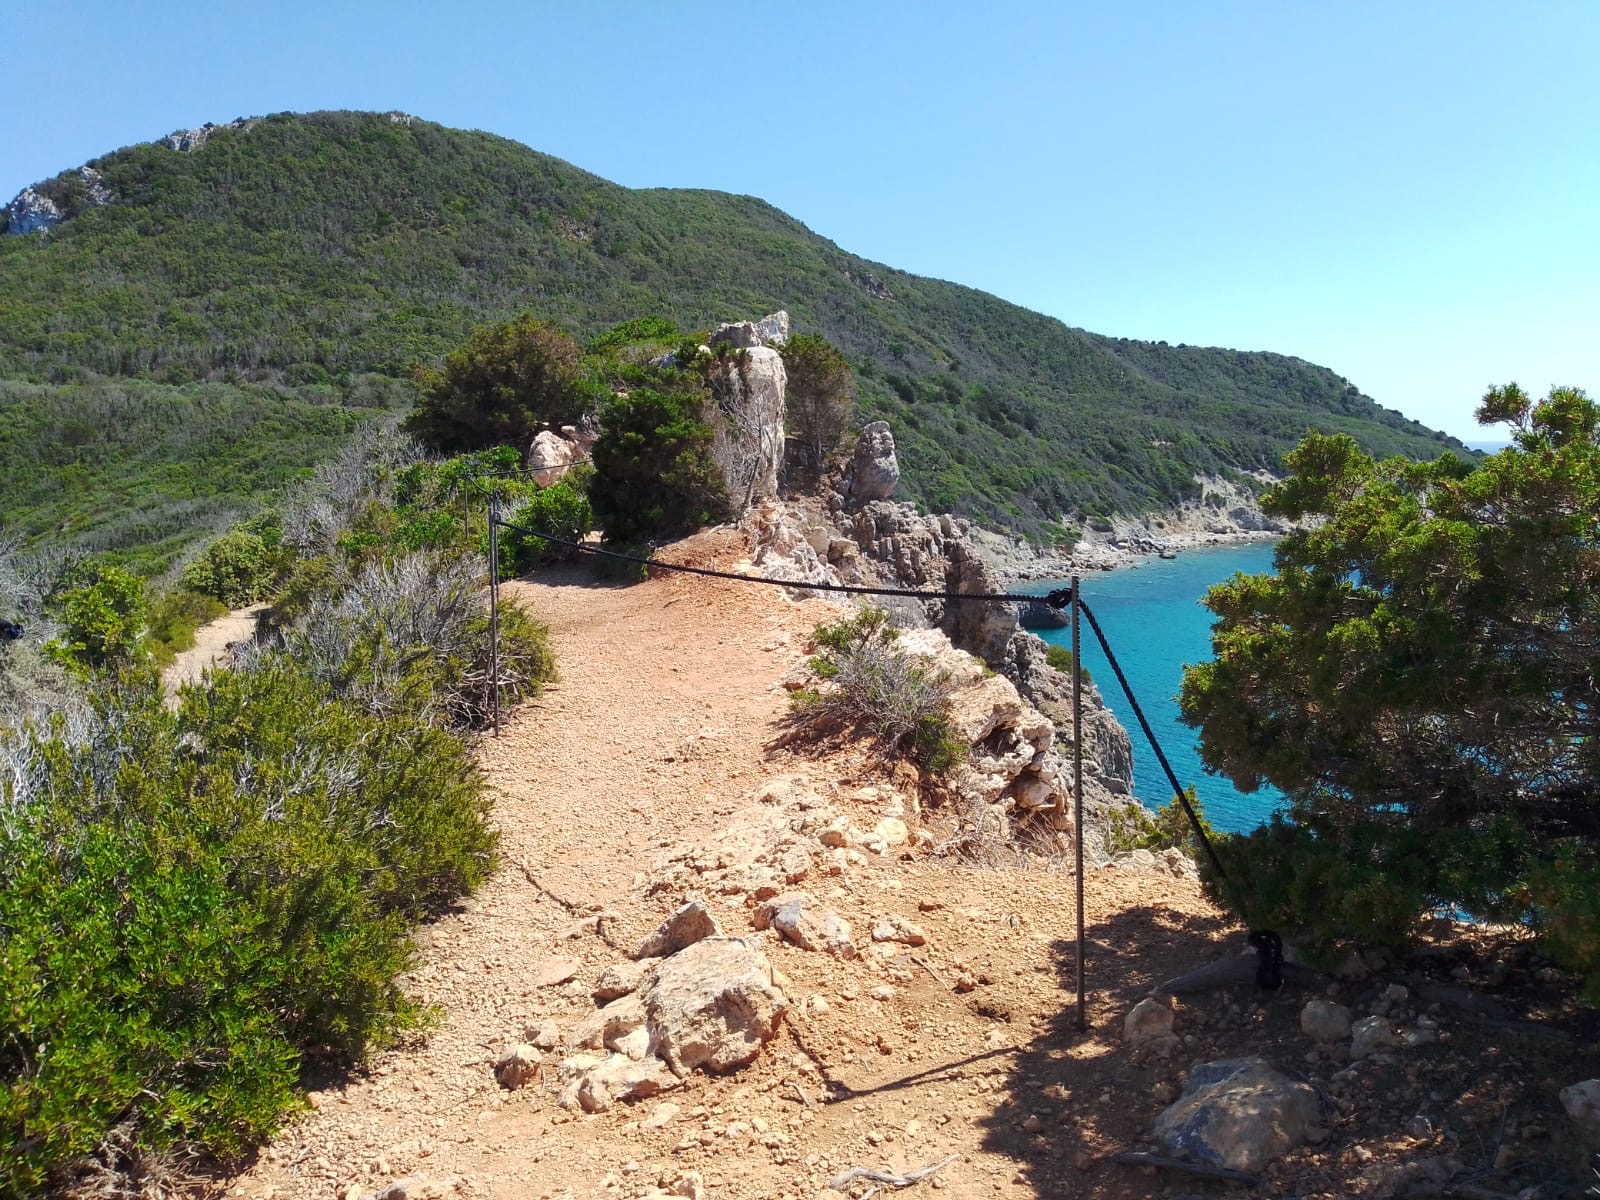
column 199, row 901
column 103, row 617
column 870, row 681
column 1060, row 658
column 1138, row 828
column 239, row 568
column 654, row 474
column 560, row 510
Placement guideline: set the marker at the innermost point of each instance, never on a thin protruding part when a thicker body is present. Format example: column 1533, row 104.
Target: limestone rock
column 773, row 329
column 897, row 929
column 874, row 469
column 617, row 1078
column 1370, row 1035
column 712, row 1006
column 555, row 971
column 684, row 927
column 545, row 1035
column 607, row 1027
column 550, row 456
column 621, row 979
column 30, row 212
column 747, row 421
column 1240, row 1113
column 517, row 1066
column 1325, row 1021
column 802, row 921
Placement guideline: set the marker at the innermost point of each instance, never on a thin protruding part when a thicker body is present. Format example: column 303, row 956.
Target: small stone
column 1032, row 1123
column 664, row 1112
column 546, row 1035
column 517, row 1066
column 898, row 929
column 1148, row 1021
column 691, row 923
column 892, row 831
column 1325, row 1021
column 1370, row 1035
column 556, row 971
column 883, row 991
column 819, row 1004
column 1164, row 1091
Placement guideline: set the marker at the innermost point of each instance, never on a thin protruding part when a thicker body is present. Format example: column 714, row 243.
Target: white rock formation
column 874, row 469
column 748, row 422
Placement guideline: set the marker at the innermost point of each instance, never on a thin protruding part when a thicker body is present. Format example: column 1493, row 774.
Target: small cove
column 1152, row 615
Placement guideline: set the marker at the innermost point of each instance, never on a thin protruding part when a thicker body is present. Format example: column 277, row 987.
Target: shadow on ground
column 1073, row 1097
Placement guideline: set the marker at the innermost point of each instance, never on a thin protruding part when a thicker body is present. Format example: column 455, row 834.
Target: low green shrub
column 175, row 618
column 198, row 902
column 1138, row 828
column 241, row 566
column 560, row 510
column 1060, row 658
column 104, row 615
column 872, row 682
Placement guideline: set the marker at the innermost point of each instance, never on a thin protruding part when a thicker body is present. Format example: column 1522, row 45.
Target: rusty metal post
column 1077, row 785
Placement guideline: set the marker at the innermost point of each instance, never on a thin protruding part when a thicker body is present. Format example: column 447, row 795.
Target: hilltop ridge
column 309, row 260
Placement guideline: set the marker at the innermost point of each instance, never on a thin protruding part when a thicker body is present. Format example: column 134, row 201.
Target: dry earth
column 667, row 714
column 211, row 644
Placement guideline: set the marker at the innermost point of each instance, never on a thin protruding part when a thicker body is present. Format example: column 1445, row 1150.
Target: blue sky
column 1408, row 193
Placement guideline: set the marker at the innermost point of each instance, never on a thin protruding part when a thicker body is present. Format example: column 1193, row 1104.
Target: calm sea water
column 1154, row 620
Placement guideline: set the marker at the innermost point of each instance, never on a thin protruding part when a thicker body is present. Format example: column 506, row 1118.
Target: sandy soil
column 211, row 643
column 667, row 713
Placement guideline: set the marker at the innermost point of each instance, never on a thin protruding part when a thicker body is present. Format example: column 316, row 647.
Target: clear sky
column 1406, row 192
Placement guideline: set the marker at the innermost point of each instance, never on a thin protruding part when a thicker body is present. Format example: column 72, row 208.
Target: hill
column 299, row 264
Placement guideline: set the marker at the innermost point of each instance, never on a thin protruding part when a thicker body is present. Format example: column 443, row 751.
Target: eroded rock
column 712, row 1005
column 688, row 925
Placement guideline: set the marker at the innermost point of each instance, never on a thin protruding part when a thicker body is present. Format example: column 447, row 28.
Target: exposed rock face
column 712, row 1006
column 1107, row 750
column 749, row 392
column 874, row 470
column 1240, row 1113
column 771, row 330
column 30, row 212
column 186, row 141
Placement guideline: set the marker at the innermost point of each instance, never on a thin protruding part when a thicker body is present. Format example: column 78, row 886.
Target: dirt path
column 210, row 644
column 662, row 724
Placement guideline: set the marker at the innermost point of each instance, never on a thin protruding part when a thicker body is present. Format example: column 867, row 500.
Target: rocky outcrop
column 712, row 1006
column 30, row 212
column 186, row 141
column 874, row 469
column 748, row 388
column 549, row 457
column 33, row 210
column 770, row 330
column 1107, row 750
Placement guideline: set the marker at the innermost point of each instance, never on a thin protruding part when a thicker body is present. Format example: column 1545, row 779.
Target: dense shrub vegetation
column 1419, row 679
column 301, row 266
column 869, row 682
column 200, row 903
column 654, row 474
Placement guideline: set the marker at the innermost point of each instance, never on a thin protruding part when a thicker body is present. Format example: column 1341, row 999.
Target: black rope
column 1059, row 598
column 1172, row 778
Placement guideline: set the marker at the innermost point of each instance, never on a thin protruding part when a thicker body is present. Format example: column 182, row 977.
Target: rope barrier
column 1059, row 598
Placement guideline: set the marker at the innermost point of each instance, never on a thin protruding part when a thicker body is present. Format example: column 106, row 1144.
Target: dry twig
column 845, row 1178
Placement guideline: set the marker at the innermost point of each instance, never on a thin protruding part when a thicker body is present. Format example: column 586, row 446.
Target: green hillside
column 289, row 264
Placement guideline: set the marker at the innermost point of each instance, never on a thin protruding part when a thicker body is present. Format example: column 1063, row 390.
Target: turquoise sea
column 1152, row 616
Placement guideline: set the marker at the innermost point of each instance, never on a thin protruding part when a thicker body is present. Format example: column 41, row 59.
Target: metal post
column 494, row 608
column 1077, row 784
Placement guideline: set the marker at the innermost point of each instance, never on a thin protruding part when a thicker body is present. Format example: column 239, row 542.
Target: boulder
column 1325, row 1021
column 621, row 979
column 712, row 1006
column 609, row 1027
column 802, row 921
column 684, row 927
column 550, row 456
column 874, row 470
column 615, row 1078
column 1240, row 1113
